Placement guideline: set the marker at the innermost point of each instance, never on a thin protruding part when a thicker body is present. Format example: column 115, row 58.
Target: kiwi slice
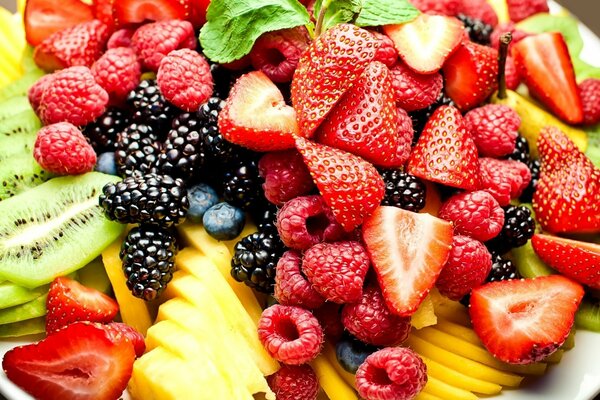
column 528, row 263
column 54, row 229
column 588, row 315
column 18, row 134
column 21, row 85
column 19, row 173
column 12, row 106
column 94, row 276
column 23, row 328
column 565, row 24
column 32, row 309
column 12, row 294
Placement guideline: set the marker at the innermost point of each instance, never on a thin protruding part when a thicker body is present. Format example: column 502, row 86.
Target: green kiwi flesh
column 12, row 294
column 528, row 263
column 32, row 309
column 12, row 106
column 18, row 134
column 23, row 328
column 21, row 85
column 18, row 173
column 54, row 229
column 94, row 276
column 588, row 315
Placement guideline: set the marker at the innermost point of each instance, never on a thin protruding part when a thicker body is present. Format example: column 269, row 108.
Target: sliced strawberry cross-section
column 45, row 17
column 135, row 11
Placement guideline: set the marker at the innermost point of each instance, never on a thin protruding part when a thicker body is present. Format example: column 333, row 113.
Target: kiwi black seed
column 19, row 173
column 54, row 229
column 18, row 134
column 12, row 106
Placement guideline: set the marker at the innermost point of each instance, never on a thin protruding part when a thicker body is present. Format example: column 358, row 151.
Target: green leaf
column 386, row 12
column 593, row 149
column 233, row 26
column 336, row 12
column 565, row 24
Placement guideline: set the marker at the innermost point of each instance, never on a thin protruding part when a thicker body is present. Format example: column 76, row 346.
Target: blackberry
column 148, row 256
column 527, row 195
column 518, row 228
column 502, row 269
column 479, row 31
column 150, row 107
column 521, row 152
column 403, row 190
column 265, row 219
column 102, row 133
column 223, row 78
column 255, row 260
column 149, row 199
column 137, row 151
column 242, row 186
column 420, row 117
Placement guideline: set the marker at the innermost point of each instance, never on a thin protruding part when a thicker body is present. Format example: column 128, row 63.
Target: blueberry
column 224, row 221
column 351, row 352
column 106, row 163
column 201, row 197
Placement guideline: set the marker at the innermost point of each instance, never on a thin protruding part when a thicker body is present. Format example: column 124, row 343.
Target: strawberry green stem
column 321, row 17
column 505, row 40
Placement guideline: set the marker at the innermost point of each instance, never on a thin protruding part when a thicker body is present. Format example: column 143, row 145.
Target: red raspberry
column 589, row 90
column 74, row 96
column 81, row 44
column 414, row 91
column 337, row 270
column 290, row 334
column 503, row 179
column 294, row 382
column 184, row 79
column 120, row 38
column 386, row 53
column 520, row 9
column 501, row 29
column 330, row 318
column 118, row 71
column 475, row 214
column 442, row 7
column 277, row 53
column 392, row 373
column 494, row 128
column 512, row 76
column 479, row 9
column 153, row 41
column 63, row 150
column 371, row 321
column 467, row 267
column 405, row 127
column 136, row 338
column 37, row 89
column 305, row 221
column 286, row 176
column 291, row 286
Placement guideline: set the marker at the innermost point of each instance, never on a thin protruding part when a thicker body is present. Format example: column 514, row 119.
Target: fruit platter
column 299, row 200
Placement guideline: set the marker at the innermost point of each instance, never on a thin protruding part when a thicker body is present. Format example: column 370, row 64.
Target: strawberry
column 69, row 301
column 575, row 259
column 136, row 11
column 80, row 45
column 79, row 362
column 330, row 65
column 425, row 43
column 446, row 152
column 350, row 186
column 545, row 66
column 119, row 331
column 103, row 11
column 524, row 321
column 407, row 251
column 255, row 115
column 567, row 196
column 198, row 12
column 471, row 74
column 45, row 17
column 365, row 121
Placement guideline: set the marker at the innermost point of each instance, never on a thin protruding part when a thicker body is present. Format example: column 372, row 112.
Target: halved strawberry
column 426, row 42
column 328, row 68
column 135, row 11
column 198, row 12
column 522, row 321
column 446, row 152
column 120, row 331
column 545, row 66
column 365, row 121
column 79, row 362
column 575, row 259
column 69, row 301
column 471, row 74
column 408, row 251
column 567, row 195
column 103, row 10
column 350, row 186
column 255, row 115
column 45, row 17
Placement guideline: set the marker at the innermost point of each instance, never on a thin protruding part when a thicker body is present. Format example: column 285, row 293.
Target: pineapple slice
column 139, row 384
column 333, row 385
column 458, row 379
column 329, row 353
column 446, row 391
column 427, row 396
column 425, row 314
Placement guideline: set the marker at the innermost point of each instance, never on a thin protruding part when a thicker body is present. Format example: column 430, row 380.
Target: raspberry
column 62, row 149
column 479, row 9
column 153, row 41
column 34, row 94
column 371, row 321
column 512, row 76
column 118, row 71
column 184, row 79
column 294, row 382
column 589, row 91
column 330, row 318
column 386, row 53
column 469, row 263
column 503, row 179
column 442, row 7
column 414, row 91
column 120, row 38
column 337, row 270
column 290, row 334
column 74, row 96
column 286, row 176
column 392, row 373
column 475, row 214
column 277, row 53
column 117, row 329
column 305, row 221
column 494, row 128
column 520, row 9
column 291, row 286
column 501, row 29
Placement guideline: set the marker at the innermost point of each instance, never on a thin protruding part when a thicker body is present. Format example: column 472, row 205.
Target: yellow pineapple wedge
column 425, row 314
column 334, row 386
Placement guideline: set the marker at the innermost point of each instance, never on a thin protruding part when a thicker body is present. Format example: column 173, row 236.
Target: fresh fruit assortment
column 199, row 201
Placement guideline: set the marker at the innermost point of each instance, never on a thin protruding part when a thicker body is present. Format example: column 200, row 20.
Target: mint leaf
column 565, row 24
column 233, row 26
column 386, row 12
column 336, row 12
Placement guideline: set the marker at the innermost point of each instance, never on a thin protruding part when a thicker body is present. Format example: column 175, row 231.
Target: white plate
column 576, row 377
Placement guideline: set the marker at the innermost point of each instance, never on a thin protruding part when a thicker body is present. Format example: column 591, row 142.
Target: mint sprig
column 332, row 12
column 386, row 12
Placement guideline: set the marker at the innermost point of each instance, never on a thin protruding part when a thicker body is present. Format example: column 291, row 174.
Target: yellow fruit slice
column 425, row 314
column 427, row 396
column 450, row 310
column 459, row 331
column 458, row 379
column 139, row 383
column 501, row 10
column 334, row 386
column 329, row 353
column 445, row 391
